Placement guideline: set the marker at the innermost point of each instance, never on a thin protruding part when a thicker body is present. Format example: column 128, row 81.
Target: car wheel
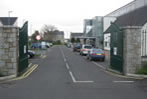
column 103, row 59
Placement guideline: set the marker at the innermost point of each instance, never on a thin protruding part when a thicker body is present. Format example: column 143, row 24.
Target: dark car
column 96, row 54
column 31, row 53
column 77, row 47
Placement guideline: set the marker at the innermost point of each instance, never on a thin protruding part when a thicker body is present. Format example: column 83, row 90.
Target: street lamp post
column 9, row 17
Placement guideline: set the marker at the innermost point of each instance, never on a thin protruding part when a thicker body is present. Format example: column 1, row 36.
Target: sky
column 66, row 15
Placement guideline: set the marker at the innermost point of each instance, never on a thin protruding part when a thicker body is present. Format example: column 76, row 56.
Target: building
column 59, row 36
column 54, row 36
column 95, row 28
column 87, row 26
column 82, row 38
column 128, row 36
column 8, row 21
column 75, row 35
column 130, row 7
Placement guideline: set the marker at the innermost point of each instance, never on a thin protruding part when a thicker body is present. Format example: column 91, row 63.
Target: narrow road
column 64, row 74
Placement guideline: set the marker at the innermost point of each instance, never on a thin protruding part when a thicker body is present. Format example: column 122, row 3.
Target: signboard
column 115, row 51
column 25, row 49
column 38, row 37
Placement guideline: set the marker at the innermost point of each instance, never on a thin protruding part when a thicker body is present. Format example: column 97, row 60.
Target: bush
column 58, row 42
column 143, row 71
column 1, row 75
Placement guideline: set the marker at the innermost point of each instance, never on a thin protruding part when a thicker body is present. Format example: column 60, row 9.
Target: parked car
column 76, row 47
column 44, row 45
column 31, row 53
column 69, row 45
column 84, row 49
column 50, row 44
column 36, row 45
column 96, row 54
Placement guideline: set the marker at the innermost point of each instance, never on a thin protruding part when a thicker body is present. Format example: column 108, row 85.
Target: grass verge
column 143, row 71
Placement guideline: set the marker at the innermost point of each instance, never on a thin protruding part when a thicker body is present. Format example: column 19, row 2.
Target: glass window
column 88, row 47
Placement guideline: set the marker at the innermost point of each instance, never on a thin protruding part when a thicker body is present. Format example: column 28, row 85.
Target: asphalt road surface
column 64, row 74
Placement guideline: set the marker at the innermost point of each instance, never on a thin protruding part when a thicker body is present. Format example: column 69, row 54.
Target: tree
column 78, row 40
column 72, row 40
column 49, row 32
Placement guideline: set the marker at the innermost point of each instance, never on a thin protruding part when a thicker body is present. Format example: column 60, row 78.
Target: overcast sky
column 66, row 15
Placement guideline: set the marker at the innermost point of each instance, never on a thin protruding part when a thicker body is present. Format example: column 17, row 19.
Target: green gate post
column 23, row 48
column 116, row 57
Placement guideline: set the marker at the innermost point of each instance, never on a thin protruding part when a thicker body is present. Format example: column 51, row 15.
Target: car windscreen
column 78, row 46
column 97, row 51
column 88, row 47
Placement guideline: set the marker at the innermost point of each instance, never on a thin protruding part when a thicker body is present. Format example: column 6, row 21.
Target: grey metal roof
column 137, row 17
column 76, row 34
column 8, row 20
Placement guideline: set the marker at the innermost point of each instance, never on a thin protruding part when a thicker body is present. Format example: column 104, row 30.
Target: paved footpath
column 64, row 74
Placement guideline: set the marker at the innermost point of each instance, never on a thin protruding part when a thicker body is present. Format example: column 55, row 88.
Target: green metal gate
column 116, row 48
column 23, row 47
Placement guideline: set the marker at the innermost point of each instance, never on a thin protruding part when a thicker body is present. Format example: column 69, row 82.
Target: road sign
column 38, row 37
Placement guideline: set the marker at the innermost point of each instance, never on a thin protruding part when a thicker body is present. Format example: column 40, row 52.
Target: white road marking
column 123, row 81
column 73, row 78
column 43, row 56
column 75, row 81
column 65, row 60
column 84, row 82
column 71, row 74
column 30, row 65
column 63, row 55
column 67, row 66
column 99, row 65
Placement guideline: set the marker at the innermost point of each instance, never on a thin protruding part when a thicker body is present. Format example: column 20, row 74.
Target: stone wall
column 132, row 49
column 8, row 50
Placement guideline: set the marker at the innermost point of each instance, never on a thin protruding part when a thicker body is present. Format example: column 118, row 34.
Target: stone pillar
column 8, row 50
column 132, row 49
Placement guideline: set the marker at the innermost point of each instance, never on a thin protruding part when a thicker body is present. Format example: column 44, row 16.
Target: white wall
column 107, row 22
column 107, row 40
